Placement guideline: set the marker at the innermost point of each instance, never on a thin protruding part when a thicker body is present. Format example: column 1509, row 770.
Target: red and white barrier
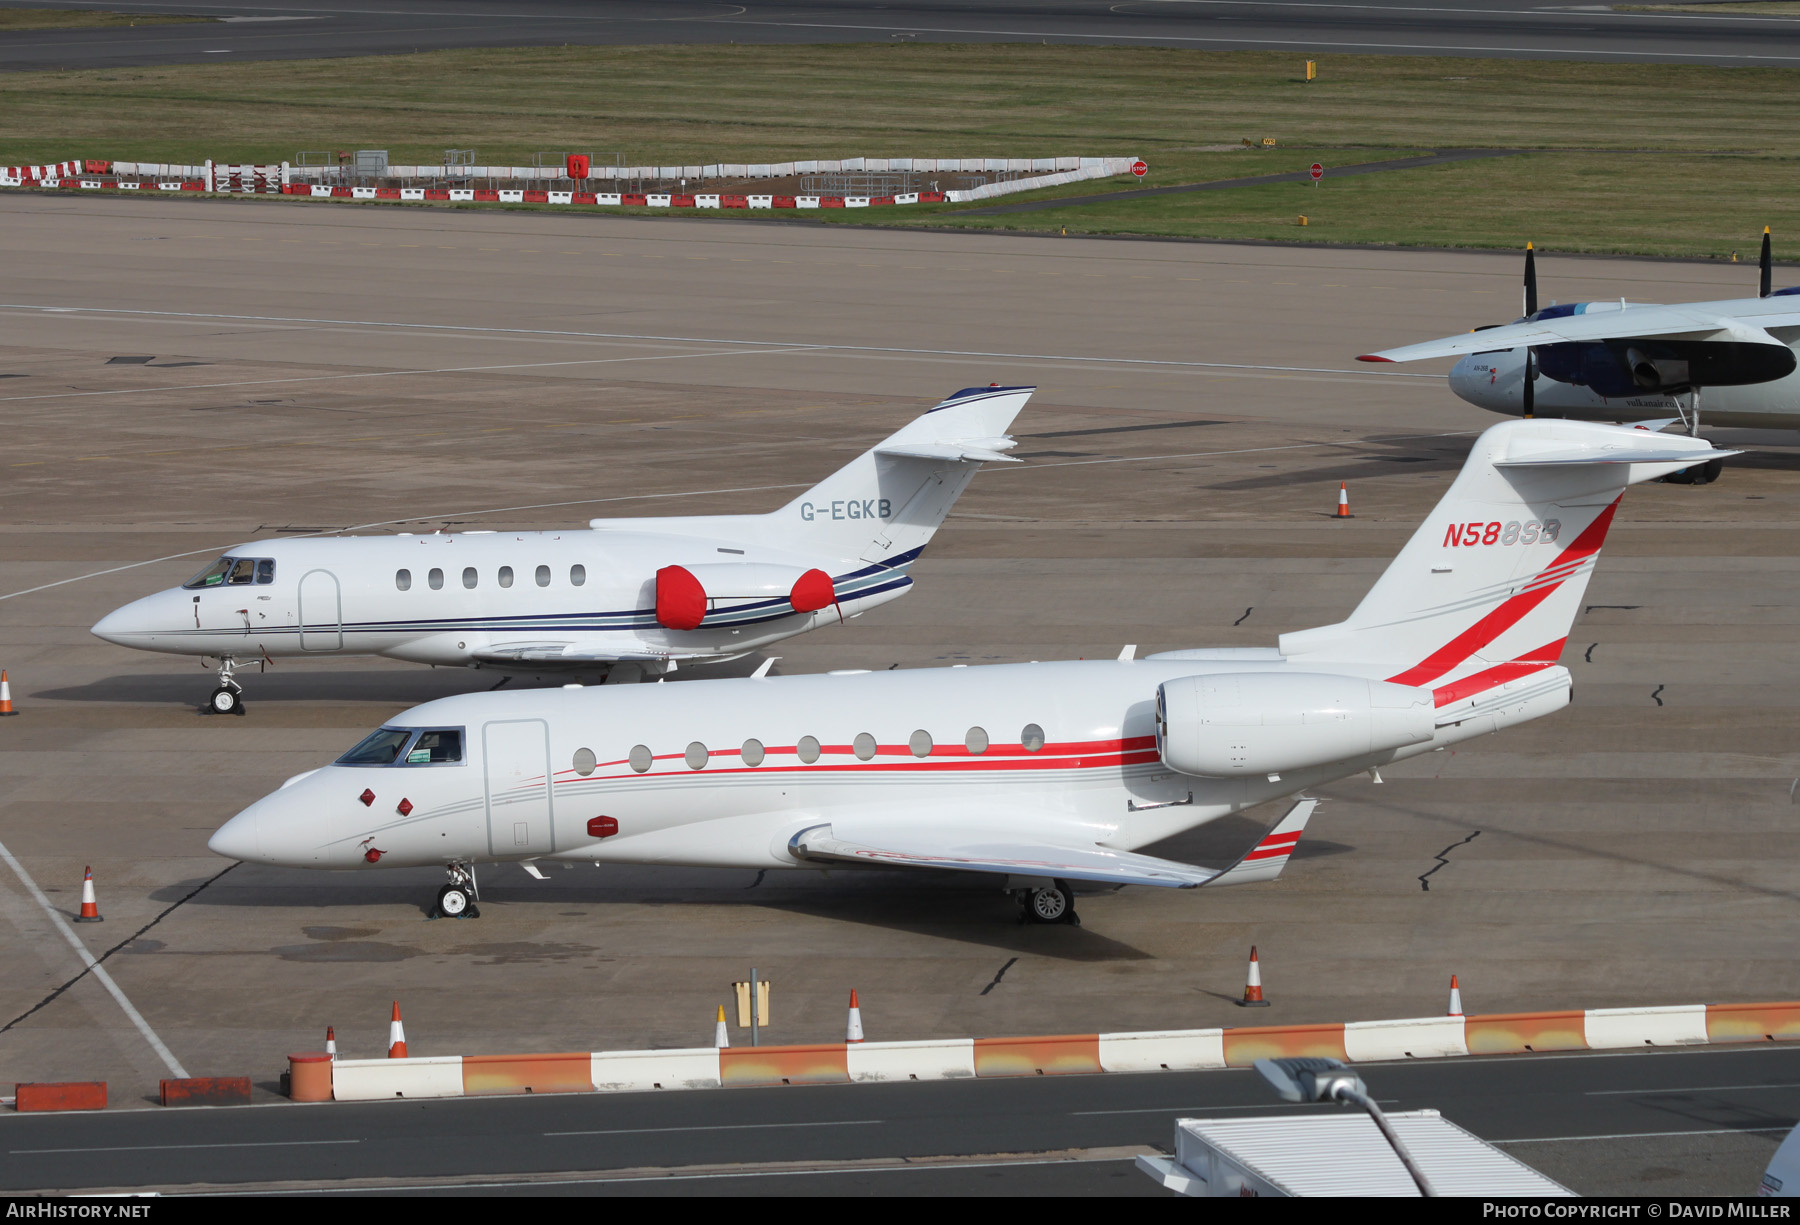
column 1166, row 1050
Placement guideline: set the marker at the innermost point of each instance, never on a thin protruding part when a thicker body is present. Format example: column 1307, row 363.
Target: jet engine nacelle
column 1232, row 724
column 684, row 593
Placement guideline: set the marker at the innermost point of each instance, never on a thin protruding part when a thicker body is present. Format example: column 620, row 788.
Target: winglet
column 762, row 669
column 1268, row 857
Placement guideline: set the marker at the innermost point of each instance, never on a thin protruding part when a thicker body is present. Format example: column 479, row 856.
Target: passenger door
column 321, row 612
column 515, row 755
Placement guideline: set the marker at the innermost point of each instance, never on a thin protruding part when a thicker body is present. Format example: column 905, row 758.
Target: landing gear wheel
column 1708, row 472
column 455, row 902
column 1053, row 904
column 225, row 701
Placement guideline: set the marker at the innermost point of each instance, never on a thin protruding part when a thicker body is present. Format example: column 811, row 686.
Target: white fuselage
column 733, row 771
column 467, row 598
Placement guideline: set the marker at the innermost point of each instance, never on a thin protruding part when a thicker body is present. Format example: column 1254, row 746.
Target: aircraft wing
column 570, row 651
column 1647, row 322
column 1006, row 845
column 967, row 450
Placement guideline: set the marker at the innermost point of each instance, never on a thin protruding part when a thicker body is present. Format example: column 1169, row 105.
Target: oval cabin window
column 470, row 578
column 865, row 746
column 976, row 741
column 696, row 756
column 543, row 576
column 808, row 749
column 577, row 575
column 1032, row 737
column 641, row 758
column 585, row 761
column 920, row 743
column 436, row 579
column 403, row 580
column 506, row 576
column 752, row 752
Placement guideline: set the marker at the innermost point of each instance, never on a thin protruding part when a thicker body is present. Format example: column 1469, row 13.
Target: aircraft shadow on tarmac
column 286, row 683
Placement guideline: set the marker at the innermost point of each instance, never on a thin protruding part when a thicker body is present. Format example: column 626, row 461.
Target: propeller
column 1768, row 267
column 1529, row 392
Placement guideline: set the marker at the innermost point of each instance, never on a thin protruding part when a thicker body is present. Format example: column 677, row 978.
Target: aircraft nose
column 1483, row 380
column 129, row 624
column 241, row 837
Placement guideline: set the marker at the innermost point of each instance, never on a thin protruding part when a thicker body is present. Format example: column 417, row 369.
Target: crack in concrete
column 1443, row 861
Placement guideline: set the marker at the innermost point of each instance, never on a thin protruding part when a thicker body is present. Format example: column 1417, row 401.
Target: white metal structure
column 1339, row 1155
column 641, row 592
column 1043, row 772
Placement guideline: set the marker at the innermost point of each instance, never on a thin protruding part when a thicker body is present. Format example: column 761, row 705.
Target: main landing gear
column 1047, row 902
column 457, row 899
column 228, row 698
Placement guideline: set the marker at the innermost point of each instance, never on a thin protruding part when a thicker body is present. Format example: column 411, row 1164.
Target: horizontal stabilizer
column 973, row 451
column 1269, row 856
column 960, row 848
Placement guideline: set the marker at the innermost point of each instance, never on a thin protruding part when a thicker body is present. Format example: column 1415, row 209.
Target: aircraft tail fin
column 891, row 499
column 1490, row 584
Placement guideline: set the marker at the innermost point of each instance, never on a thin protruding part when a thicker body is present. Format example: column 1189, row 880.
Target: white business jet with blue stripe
column 1041, row 773
column 626, row 598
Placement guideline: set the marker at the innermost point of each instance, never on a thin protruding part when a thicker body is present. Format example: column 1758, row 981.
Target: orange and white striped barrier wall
column 1052, row 1055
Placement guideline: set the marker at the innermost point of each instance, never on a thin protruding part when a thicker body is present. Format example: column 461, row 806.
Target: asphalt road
column 1570, row 1115
column 305, row 29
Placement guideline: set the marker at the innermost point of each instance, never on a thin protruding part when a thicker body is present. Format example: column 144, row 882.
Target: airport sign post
column 1317, row 172
column 1140, row 168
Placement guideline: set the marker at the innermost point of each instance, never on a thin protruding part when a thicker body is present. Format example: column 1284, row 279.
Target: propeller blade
column 1768, row 267
column 1530, row 389
column 1531, row 303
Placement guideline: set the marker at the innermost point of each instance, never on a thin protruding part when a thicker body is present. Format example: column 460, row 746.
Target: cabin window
column 585, row 761
column 543, row 576
column 436, row 579
column 976, row 741
column 506, row 576
column 265, row 571
column 752, row 752
column 213, row 575
column 865, row 746
column 469, row 577
column 403, row 580
column 438, row 747
column 1032, row 738
column 641, row 758
column 696, row 756
column 808, row 749
column 380, row 748
column 577, row 575
column 920, row 743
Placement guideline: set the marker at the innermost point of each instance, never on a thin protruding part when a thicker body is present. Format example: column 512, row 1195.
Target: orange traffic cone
column 396, row 1035
column 721, row 1035
column 90, row 909
column 5, row 695
column 331, row 1043
column 853, row 1030
column 1343, row 506
column 1455, row 998
column 1253, row 997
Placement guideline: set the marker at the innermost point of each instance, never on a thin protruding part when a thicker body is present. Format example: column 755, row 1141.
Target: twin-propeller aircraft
column 1042, row 774
column 625, row 599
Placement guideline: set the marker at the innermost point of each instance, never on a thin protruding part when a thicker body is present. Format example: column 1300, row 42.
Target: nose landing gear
column 457, row 899
column 228, row 698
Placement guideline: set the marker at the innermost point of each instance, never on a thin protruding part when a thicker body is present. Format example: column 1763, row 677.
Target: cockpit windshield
column 404, row 746
column 381, row 748
column 234, row 572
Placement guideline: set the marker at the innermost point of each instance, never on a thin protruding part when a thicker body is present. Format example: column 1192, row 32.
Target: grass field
column 1680, row 160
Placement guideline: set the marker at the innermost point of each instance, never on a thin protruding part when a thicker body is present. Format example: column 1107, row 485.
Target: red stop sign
column 1318, row 171
column 1140, row 168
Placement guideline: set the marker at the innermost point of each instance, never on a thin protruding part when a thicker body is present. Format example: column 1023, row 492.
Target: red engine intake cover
column 812, row 591
column 602, row 827
column 680, row 599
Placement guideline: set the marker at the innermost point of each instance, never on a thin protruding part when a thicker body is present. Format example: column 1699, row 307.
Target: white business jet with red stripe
column 627, row 598
column 1041, row 773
